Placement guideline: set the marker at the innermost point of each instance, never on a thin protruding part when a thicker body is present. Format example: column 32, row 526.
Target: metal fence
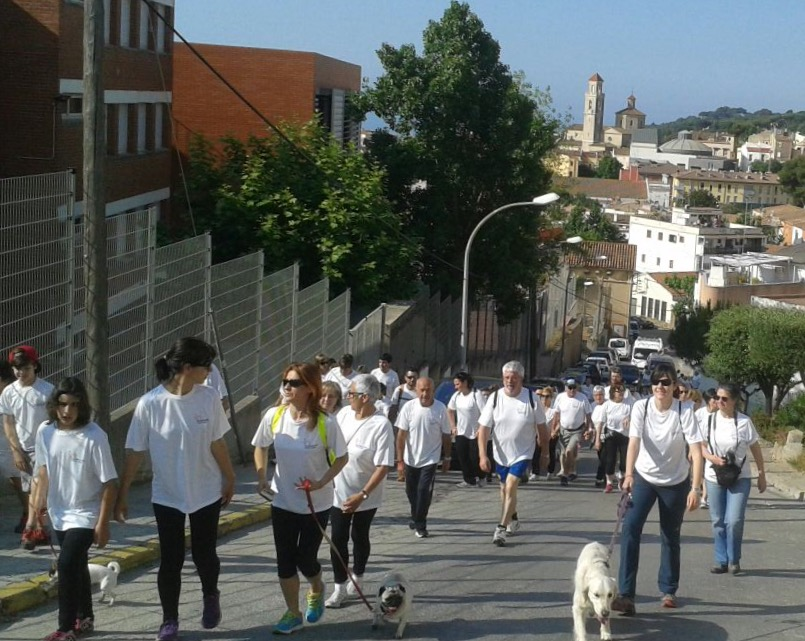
column 156, row 295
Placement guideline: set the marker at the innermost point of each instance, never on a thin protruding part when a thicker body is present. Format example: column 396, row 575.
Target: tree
column 792, row 178
column 608, row 167
column 701, row 198
column 325, row 207
column 751, row 345
column 583, row 216
column 464, row 136
column 689, row 337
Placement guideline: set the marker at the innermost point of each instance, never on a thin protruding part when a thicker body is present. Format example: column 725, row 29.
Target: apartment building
column 284, row 86
column 739, row 187
column 41, row 86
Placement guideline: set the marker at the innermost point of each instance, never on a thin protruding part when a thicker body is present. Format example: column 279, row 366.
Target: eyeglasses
column 722, row 399
column 292, row 382
column 571, row 387
column 684, row 391
column 664, row 382
column 354, row 394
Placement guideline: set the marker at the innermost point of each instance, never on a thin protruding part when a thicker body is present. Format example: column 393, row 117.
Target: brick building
column 285, row 86
column 41, row 70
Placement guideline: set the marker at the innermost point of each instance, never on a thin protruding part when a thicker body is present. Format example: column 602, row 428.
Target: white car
column 602, row 363
column 621, row 346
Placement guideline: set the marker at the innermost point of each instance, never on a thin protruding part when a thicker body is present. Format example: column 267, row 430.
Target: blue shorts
column 519, row 469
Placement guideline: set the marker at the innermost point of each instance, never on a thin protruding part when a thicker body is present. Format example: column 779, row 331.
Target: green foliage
column 583, row 216
column 608, row 167
column 689, row 337
column 701, row 198
column 792, row 178
column 326, row 209
column 763, row 166
column 733, row 120
column 464, row 136
column 757, row 345
column 792, row 414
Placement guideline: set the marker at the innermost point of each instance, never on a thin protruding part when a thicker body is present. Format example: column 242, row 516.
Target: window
column 664, row 310
column 670, row 264
column 158, row 136
column 144, row 26
column 648, row 233
column 650, row 307
column 161, row 42
column 671, row 238
column 122, row 129
column 658, row 262
column 125, row 23
column 659, row 235
column 73, row 107
column 107, row 20
column 642, row 258
column 141, row 128
column 681, row 239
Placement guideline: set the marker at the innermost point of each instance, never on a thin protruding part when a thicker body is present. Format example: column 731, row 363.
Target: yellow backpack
column 321, row 426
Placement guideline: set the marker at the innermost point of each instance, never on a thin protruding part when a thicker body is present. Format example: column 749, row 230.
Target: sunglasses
column 292, row 382
column 722, row 399
column 683, row 391
column 664, row 382
column 409, row 377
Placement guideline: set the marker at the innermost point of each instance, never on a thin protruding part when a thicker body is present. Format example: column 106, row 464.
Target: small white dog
column 394, row 603
column 106, row 577
column 594, row 591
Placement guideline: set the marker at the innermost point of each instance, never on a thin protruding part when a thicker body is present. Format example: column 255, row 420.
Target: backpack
column 321, row 426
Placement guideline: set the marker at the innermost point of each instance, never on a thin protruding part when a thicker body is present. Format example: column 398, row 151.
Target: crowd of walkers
column 324, row 451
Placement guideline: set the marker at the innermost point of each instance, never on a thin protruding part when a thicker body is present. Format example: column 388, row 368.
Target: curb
column 24, row 595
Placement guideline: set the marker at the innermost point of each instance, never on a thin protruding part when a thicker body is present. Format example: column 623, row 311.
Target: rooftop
column 611, row 188
column 618, row 256
column 728, row 176
column 749, row 259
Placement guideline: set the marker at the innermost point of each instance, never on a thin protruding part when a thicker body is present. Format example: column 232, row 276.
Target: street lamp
column 540, row 201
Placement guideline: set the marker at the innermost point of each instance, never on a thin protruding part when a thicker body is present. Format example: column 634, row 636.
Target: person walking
column 546, row 399
column 387, row 376
column 571, row 422
column 612, row 436
column 463, row 411
column 423, row 432
column 310, row 451
column 709, row 405
column 657, row 471
column 399, row 397
column 7, row 468
column 80, row 498
column 730, row 434
column 343, row 374
column 181, row 424
column 516, row 423
column 595, row 418
column 359, row 485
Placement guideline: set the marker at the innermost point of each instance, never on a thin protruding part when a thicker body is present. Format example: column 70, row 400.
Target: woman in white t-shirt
column 310, row 451
column 359, row 485
column 546, row 398
column 463, row 412
column 181, row 424
column 657, row 471
column 612, row 434
column 77, row 476
column 729, row 435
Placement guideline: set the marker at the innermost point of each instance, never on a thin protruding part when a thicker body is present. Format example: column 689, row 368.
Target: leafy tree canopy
column 749, row 345
column 734, row 120
column 608, row 167
column 792, row 178
column 463, row 137
column 583, row 216
column 701, row 198
column 689, row 337
column 327, row 209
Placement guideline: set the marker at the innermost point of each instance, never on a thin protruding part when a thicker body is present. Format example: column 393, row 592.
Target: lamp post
column 540, row 201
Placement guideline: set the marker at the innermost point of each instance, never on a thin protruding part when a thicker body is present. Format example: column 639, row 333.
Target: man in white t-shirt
column 343, row 374
column 386, row 375
column 516, row 422
column 399, row 397
column 616, row 379
column 571, row 422
column 423, row 431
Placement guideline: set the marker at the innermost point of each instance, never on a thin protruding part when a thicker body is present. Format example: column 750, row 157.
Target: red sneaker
column 28, row 540
column 41, row 537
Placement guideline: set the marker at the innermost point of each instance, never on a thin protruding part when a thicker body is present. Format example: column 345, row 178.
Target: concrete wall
column 741, row 294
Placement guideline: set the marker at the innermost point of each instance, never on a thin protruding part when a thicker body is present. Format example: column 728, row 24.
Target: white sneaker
column 512, row 527
column 351, row 591
column 464, row 484
column 533, row 477
column 480, row 482
column 499, row 537
column 338, row 596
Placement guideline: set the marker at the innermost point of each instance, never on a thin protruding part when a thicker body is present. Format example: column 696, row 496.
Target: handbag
column 730, row 472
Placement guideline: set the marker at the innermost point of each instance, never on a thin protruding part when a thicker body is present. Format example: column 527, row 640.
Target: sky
column 678, row 57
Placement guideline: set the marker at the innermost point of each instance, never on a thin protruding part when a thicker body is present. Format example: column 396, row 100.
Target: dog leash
column 305, row 485
column 624, row 504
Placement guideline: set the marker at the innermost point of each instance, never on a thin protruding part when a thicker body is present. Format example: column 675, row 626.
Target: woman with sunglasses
column 463, row 412
column 546, row 398
column 729, row 433
column 657, row 471
column 310, row 451
column 612, row 434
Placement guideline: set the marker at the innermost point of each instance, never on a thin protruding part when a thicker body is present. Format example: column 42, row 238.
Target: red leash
column 305, row 485
column 623, row 506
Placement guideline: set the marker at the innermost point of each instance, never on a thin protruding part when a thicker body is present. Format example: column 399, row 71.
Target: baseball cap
column 30, row 353
column 571, row 382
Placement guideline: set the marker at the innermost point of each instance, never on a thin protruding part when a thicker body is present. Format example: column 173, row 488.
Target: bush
column 792, row 414
column 768, row 427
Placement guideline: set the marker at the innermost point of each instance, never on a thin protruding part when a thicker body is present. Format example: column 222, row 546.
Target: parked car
column 634, row 330
column 609, row 355
column 602, row 363
column 621, row 346
column 630, row 374
column 643, row 348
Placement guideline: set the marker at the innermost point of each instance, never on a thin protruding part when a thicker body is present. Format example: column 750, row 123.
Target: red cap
column 30, row 353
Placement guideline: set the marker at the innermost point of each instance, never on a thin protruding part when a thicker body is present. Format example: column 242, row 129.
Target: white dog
column 394, row 602
column 594, row 590
column 106, row 577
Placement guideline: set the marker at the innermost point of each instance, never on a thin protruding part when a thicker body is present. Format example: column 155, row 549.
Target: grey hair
column 598, row 388
column 367, row 384
column 514, row 366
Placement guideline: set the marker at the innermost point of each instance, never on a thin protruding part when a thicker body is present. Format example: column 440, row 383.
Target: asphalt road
column 467, row 589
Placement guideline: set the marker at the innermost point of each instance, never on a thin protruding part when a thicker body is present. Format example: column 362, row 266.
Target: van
column 643, row 348
column 621, row 347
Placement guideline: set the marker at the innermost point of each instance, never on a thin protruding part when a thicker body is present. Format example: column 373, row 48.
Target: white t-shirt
column 701, row 419
column 513, row 423
column 78, row 463
column 597, row 414
column 216, row 381
column 627, row 394
column 344, row 380
column 425, row 426
column 662, row 459
column 725, row 436
column 389, row 379
column 406, row 395
column 370, row 443
column 28, row 407
column 177, row 431
column 550, row 412
column 300, row 454
column 615, row 415
column 468, row 410
column 572, row 411
column 383, row 406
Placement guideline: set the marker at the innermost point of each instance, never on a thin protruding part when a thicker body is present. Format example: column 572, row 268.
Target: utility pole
column 95, row 269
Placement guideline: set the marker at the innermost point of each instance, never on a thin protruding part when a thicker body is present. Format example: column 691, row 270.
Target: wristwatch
column 364, row 494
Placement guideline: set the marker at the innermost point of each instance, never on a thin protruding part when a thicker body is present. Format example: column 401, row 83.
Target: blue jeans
column 673, row 502
column 727, row 509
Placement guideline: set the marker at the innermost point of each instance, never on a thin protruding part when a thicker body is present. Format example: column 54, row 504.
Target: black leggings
column 75, row 595
column 203, row 541
column 359, row 524
column 297, row 539
column 615, row 447
column 468, row 458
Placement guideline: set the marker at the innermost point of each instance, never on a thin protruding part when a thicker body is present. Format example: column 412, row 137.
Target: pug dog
column 394, row 603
